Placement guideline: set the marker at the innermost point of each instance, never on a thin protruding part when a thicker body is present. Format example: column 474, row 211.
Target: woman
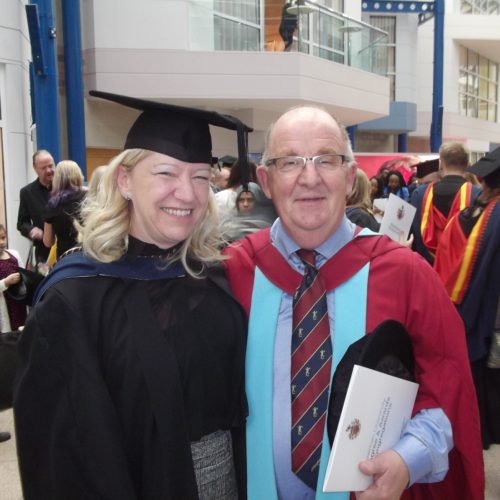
column 63, row 207
column 468, row 261
column 396, row 185
column 131, row 364
column 376, row 187
column 358, row 203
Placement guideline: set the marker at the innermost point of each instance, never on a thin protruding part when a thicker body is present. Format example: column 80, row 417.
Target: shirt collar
column 287, row 246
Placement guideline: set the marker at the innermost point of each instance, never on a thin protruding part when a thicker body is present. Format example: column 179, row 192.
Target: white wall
column 138, row 24
column 406, row 55
column 15, row 54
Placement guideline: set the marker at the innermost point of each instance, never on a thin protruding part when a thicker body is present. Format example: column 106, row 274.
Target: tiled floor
column 10, row 489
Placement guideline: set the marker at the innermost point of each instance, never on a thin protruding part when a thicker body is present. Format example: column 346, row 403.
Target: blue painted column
column 403, row 143
column 351, row 132
column 75, row 115
column 44, row 76
column 436, row 133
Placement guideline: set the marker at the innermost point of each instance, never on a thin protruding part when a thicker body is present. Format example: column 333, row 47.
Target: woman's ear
column 123, row 181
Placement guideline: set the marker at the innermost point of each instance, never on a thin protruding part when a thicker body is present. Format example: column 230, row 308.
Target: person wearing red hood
column 359, row 280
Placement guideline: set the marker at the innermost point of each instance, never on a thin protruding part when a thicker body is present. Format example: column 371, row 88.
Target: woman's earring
column 128, row 196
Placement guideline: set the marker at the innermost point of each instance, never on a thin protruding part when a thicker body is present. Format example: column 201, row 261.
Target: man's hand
column 390, row 477
column 36, row 234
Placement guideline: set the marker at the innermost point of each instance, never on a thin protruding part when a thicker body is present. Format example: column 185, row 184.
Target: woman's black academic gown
column 107, row 401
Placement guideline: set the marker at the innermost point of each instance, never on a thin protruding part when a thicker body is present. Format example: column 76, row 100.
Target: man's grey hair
column 348, row 153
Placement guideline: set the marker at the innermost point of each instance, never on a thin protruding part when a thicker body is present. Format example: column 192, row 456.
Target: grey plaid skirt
column 214, row 467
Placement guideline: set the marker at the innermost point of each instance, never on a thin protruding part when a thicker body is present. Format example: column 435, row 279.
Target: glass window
column 480, row 7
column 388, row 52
column 477, row 86
column 237, row 25
column 462, row 58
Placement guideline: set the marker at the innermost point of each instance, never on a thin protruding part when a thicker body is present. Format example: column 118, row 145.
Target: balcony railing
column 329, row 34
column 321, row 32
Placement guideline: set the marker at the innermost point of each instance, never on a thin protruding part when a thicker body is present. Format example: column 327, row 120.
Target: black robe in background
column 106, row 403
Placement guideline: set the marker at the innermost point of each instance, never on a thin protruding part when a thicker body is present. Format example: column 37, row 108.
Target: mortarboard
column 227, row 160
column 486, row 166
column 178, row 131
column 388, row 349
column 427, row 167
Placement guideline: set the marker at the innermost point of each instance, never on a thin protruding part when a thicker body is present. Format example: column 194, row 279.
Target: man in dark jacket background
column 32, row 200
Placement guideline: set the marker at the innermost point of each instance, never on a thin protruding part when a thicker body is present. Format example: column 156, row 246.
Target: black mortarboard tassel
column 178, row 131
column 387, row 349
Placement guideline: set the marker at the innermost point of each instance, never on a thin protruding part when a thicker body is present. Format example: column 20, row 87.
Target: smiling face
column 310, row 204
column 168, row 197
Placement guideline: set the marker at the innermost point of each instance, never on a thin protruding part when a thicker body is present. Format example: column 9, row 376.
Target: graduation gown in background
column 106, row 405
column 401, row 286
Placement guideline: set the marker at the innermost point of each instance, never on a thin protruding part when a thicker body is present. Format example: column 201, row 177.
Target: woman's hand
column 12, row 279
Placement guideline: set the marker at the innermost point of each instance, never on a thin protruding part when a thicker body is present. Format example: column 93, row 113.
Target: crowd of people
column 187, row 345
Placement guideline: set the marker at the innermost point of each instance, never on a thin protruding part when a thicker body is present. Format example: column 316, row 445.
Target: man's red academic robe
column 403, row 287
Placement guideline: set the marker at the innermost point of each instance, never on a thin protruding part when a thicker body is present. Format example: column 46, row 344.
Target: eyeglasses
column 290, row 164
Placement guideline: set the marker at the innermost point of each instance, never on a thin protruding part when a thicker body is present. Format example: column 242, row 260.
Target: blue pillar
column 45, row 93
column 403, row 143
column 75, row 116
column 351, row 132
column 436, row 135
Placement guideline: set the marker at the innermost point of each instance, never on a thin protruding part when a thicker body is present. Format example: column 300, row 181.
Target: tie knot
column 307, row 256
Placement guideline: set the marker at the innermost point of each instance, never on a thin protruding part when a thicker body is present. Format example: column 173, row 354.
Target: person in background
column 436, row 202
column 359, row 204
column 32, row 201
column 12, row 312
column 245, row 200
column 220, row 177
column 468, row 262
column 377, row 187
column 288, row 25
column 396, row 185
column 63, row 207
column 253, row 211
column 132, row 359
column 226, row 199
column 364, row 279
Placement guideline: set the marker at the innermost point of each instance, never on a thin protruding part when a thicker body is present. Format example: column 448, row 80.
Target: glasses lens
column 328, row 162
column 289, row 163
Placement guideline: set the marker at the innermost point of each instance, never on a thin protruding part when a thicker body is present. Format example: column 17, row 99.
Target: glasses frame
column 314, row 159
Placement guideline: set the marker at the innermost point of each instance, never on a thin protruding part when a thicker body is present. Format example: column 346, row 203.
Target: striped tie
column 310, row 371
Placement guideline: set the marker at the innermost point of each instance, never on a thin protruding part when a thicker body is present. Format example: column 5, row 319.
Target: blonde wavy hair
column 103, row 233
column 67, row 175
column 359, row 197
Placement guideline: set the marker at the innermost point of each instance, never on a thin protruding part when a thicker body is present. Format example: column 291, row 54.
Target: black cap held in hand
column 387, row 349
column 23, row 290
column 178, row 131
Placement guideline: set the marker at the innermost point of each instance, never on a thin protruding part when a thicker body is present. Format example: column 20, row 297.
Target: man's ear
column 350, row 177
column 123, row 181
column 263, row 178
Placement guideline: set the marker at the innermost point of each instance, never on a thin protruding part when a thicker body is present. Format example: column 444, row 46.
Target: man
column 32, row 201
column 307, row 171
column 220, row 178
column 437, row 202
